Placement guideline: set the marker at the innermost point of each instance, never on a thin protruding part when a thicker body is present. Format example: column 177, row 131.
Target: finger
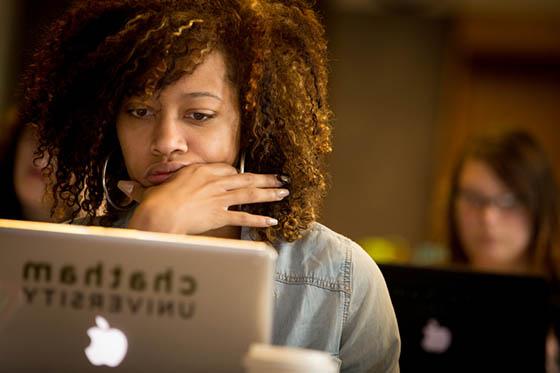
column 204, row 171
column 254, row 195
column 244, row 219
column 248, row 180
column 132, row 189
column 218, row 169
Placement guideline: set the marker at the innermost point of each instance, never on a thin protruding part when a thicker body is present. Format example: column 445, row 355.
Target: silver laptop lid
column 90, row 299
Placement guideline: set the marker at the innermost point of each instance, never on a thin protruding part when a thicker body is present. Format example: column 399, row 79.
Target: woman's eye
column 140, row 112
column 200, row 117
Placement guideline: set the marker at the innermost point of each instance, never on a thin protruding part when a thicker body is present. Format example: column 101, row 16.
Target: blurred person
column 503, row 206
column 503, row 211
column 22, row 184
column 157, row 108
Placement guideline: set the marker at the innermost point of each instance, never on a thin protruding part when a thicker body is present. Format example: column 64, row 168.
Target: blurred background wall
column 386, row 72
column 8, row 30
column 411, row 80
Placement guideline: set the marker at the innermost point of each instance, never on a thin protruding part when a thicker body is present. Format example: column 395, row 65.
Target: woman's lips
column 159, row 178
column 160, row 172
column 487, row 241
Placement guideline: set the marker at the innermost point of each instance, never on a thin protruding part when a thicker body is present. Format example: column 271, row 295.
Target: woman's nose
column 490, row 214
column 169, row 137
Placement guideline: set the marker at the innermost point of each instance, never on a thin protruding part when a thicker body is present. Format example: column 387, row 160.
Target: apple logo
column 108, row 345
column 437, row 338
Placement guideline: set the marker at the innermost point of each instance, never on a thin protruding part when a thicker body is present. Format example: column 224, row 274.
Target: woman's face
column 29, row 183
column 193, row 120
column 493, row 226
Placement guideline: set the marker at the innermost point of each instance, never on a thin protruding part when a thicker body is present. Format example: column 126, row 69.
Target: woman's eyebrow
column 202, row 94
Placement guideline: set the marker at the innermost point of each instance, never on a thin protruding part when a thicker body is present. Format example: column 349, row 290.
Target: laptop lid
column 457, row 320
column 90, row 299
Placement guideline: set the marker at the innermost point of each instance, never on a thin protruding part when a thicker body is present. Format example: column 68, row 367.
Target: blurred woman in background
column 503, row 213
column 22, row 184
column 503, row 206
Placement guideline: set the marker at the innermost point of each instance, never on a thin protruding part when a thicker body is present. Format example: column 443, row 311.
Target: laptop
column 90, row 299
column 457, row 320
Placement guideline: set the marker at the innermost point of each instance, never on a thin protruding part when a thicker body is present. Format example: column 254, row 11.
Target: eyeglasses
column 504, row 202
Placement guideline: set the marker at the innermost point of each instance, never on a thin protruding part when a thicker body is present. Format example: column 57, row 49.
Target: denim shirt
column 329, row 295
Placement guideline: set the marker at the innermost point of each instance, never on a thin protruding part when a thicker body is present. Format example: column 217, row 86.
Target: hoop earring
column 106, row 191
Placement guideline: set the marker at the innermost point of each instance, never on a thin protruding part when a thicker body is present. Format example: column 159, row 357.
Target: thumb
column 132, row 189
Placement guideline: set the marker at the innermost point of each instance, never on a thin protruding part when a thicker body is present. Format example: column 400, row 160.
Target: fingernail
column 126, row 186
column 271, row 221
column 283, row 193
column 283, row 179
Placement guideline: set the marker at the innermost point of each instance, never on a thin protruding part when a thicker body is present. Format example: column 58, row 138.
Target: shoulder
column 330, row 260
column 321, row 254
column 326, row 259
column 324, row 253
column 322, row 241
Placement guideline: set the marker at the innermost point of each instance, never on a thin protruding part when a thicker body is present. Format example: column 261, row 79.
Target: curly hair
column 521, row 164
column 100, row 52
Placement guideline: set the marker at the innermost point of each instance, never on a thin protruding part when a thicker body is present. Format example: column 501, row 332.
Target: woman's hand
column 198, row 198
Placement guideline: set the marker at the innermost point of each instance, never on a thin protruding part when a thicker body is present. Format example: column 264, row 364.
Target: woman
column 503, row 213
column 211, row 117
column 22, row 184
column 503, row 208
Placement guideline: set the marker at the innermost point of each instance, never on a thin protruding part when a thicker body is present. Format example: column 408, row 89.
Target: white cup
column 263, row 358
